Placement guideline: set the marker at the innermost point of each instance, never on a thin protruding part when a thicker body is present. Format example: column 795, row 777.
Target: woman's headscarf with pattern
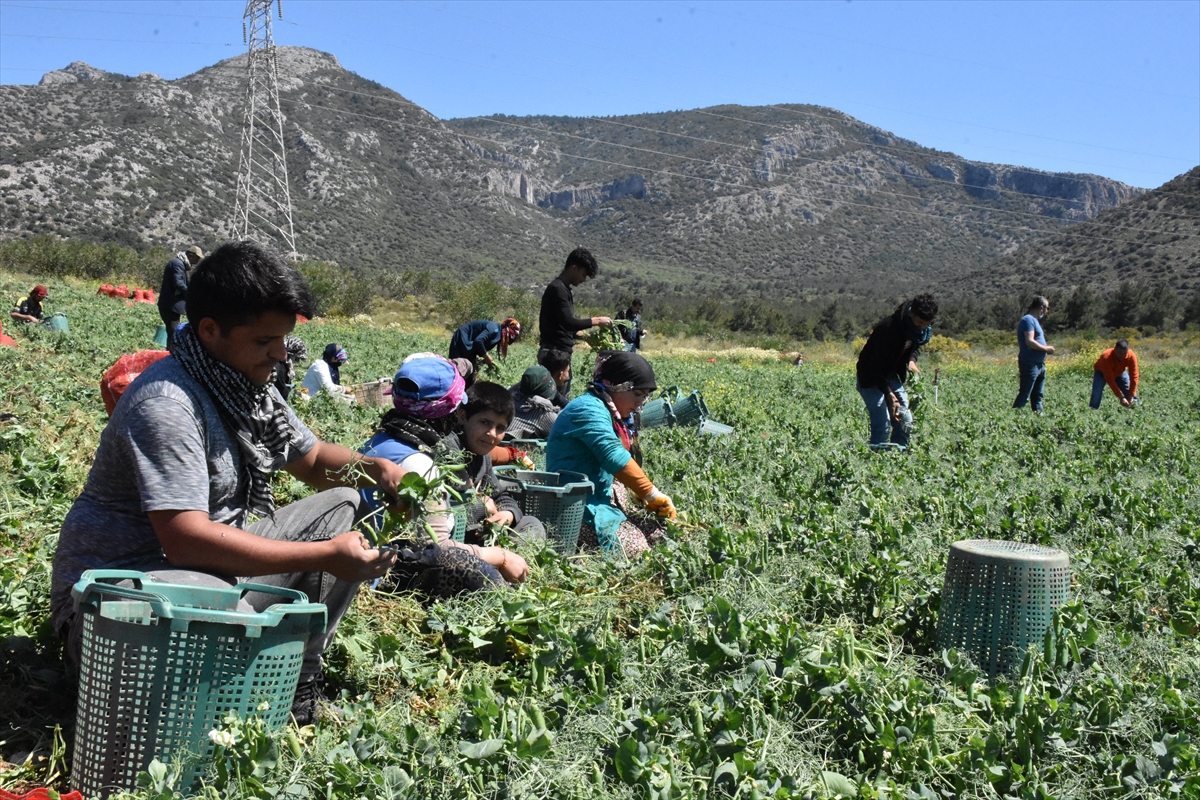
column 439, row 388
column 510, row 331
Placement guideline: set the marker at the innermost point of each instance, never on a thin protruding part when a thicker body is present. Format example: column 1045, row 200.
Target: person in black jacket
column 173, row 292
column 884, row 363
column 557, row 321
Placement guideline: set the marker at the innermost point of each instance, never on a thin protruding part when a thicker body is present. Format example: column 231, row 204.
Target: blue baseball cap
column 424, row 378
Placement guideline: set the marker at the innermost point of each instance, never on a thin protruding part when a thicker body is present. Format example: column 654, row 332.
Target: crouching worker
column 1117, row 366
column 482, row 422
column 185, row 463
column 590, row 436
column 426, row 392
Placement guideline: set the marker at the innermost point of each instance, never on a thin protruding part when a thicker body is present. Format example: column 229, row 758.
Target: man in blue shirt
column 1031, row 356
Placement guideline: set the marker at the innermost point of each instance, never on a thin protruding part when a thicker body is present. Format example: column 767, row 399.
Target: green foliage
column 780, row 641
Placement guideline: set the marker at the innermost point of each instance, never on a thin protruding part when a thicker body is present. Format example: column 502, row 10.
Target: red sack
column 39, row 794
column 105, row 289
column 150, row 298
column 138, row 296
column 122, row 292
column 118, row 377
column 6, row 341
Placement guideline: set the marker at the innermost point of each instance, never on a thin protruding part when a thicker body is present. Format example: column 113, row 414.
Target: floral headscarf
column 510, row 331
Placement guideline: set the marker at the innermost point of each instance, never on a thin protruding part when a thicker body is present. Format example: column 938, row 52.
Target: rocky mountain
column 1152, row 239
column 781, row 202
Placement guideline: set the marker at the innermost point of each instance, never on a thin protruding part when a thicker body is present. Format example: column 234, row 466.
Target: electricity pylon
column 263, row 209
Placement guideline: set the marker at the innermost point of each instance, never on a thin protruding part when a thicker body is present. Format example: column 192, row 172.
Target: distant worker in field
column 1031, row 355
column 557, row 321
column 173, row 292
column 30, row 309
column 634, row 332
column 889, row 355
column 533, row 403
column 558, row 364
column 1116, row 366
column 474, row 340
column 325, row 373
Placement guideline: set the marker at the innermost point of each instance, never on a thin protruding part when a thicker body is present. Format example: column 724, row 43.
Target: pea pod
column 293, row 743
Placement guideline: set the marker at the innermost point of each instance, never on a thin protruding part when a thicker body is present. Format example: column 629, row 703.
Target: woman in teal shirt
column 590, row 437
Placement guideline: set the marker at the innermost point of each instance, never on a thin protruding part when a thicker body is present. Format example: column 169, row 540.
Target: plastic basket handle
column 291, row 594
column 161, row 605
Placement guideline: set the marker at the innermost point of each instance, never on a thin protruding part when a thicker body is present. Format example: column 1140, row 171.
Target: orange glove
column 660, row 504
column 636, row 481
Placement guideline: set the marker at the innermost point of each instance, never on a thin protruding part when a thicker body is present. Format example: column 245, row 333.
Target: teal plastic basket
column 56, row 322
column 714, row 428
column 162, row 663
column 556, row 498
column 536, row 448
column 998, row 599
column 160, row 337
column 656, row 414
column 690, row 409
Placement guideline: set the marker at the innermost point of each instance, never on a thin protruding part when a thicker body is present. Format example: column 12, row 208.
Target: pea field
column 780, row 642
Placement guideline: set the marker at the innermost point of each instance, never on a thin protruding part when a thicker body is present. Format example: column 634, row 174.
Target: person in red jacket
column 1116, row 366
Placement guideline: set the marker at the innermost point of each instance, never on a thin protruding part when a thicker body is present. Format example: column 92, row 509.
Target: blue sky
column 1109, row 88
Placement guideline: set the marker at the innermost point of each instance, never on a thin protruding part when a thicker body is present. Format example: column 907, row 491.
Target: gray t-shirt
column 166, row 448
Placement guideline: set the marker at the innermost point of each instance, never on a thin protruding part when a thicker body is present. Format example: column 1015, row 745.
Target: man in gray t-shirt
column 184, row 466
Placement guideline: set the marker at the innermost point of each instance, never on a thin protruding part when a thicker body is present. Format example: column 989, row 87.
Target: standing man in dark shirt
column 558, row 324
column 172, row 294
column 885, row 362
column 30, row 309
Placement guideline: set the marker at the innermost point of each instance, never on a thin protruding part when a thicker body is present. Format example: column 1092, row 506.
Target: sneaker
column 309, row 692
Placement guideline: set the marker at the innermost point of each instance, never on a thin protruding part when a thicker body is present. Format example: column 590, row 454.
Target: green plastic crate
column 163, row 663
column 556, row 498
column 998, row 599
column 460, row 521
column 160, row 337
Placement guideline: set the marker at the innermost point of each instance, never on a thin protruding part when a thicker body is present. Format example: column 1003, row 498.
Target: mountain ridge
column 787, row 201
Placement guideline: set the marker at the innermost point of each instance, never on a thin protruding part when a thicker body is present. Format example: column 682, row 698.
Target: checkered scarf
column 255, row 414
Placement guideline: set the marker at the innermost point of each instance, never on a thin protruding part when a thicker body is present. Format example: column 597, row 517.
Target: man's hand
column 1125, row 401
column 1049, row 348
column 913, row 368
column 390, row 475
column 604, row 321
column 353, row 559
column 893, row 404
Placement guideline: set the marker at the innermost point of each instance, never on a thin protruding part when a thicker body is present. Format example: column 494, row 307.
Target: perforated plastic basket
column 714, row 428
column 163, row 663
column 555, row 498
column 690, row 409
column 656, row 414
column 999, row 598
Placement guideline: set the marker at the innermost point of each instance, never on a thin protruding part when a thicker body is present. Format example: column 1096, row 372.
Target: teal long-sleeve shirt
column 583, row 440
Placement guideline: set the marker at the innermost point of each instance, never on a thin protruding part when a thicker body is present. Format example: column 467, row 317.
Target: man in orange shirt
column 1116, row 366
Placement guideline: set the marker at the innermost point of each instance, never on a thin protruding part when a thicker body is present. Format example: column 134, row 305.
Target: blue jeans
column 1033, row 378
column 1099, row 384
column 881, row 423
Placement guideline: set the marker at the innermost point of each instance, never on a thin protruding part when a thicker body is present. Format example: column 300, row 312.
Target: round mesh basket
column 999, row 598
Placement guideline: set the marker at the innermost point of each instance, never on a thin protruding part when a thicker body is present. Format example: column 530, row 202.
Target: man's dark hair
column 556, row 360
column 580, row 257
column 488, row 396
column 1038, row 303
column 924, row 306
column 240, row 281
column 1122, row 344
column 637, row 301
